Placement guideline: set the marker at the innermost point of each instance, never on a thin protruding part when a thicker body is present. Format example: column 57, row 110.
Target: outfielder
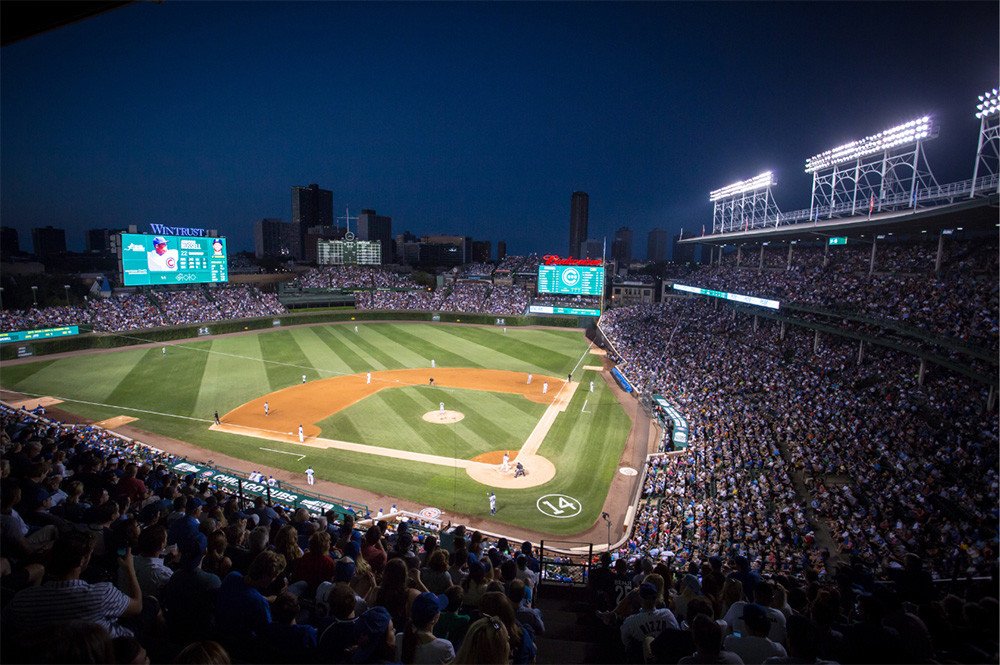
column 309, row 476
column 356, row 329
column 591, row 386
column 164, row 349
column 433, row 364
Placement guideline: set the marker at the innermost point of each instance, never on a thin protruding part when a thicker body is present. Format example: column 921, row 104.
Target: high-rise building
column 591, row 249
column 579, row 216
column 99, row 240
column 656, row 245
column 464, row 244
column 274, row 238
column 501, row 250
column 481, row 250
column 48, row 241
column 690, row 253
column 403, row 240
column 9, row 243
column 311, row 206
column 621, row 247
column 377, row 228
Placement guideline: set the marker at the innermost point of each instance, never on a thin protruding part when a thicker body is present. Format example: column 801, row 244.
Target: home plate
column 443, row 417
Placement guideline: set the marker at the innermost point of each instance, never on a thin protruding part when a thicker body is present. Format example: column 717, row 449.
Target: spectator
column 485, row 643
column 418, row 643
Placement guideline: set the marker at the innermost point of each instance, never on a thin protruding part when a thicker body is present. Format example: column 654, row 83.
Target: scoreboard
column 42, row 333
column 571, row 280
column 150, row 260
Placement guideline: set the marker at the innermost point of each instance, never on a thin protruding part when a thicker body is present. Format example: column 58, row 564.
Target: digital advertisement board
column 571, row 280
column 151, row 260
column 572, row 311
column 725, row 295
column 44, row 333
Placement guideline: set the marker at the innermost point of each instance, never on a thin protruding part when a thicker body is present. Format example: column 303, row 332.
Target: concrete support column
column 816, row 342
column 871, row 264
column 760, row 264
column 920, row 372
column 826, row 254
column 788, row 266
column 940, row 254
column 734, row 314
column 756, row 321
column 861, row 351
column 991, row 399
column 739, row 255
column 781, row 334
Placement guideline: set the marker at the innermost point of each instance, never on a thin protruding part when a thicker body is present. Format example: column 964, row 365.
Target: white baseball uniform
column 301, row 435
column 309, row 476
column 166, row 262
column 545, row 387
column 368, row 377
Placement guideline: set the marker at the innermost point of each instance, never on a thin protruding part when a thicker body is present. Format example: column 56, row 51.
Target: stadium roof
column 971, row 214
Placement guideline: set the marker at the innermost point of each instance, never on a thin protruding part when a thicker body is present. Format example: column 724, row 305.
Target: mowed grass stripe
column 90, row 378
column 427, row 437
column 378, row 422
column 229, row 381
column 516, row 349
column 321, row 355
column 372, row 345
column 12, row 376
column 347, row 337
column 440, row 354
column 556, row 342
column 405, row 355
column 352, row 360
column 288, row 362
column 472, row 432
column 167, row 383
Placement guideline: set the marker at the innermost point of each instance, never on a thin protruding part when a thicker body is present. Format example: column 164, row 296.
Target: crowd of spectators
column 136, row 311
column 520, row 264
column 889, row 466
column 960, row 302
column 108, row 556
column 353, row 277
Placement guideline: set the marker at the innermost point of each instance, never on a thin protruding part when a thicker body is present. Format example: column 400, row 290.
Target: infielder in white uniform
column 302, row 438
column 368, row 377
column 161, row 259
column 267, row 409
column 529, row 379
column 545, row 387
column 309, row 476
column 303, row 378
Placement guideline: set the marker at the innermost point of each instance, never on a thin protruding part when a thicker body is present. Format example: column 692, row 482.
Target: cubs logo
column 171, row 263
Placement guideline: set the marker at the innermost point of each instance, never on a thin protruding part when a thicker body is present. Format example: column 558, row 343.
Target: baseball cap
column 752, row 611
column 426, row 606
column 369, row 631
column 192, row 549
column 647, row 590
column 343, row 570
column 159, row 240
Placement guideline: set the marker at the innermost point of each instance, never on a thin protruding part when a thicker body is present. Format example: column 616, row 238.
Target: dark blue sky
column 474, row 118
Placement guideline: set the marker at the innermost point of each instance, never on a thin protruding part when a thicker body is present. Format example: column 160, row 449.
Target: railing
column 563, row 568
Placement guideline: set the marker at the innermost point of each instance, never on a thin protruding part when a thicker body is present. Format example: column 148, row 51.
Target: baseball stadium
column 777, row 442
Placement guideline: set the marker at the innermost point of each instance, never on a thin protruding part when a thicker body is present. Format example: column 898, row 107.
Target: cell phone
column 122, row 551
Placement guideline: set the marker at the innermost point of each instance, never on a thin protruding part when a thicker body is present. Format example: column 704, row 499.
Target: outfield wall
column 193, row 331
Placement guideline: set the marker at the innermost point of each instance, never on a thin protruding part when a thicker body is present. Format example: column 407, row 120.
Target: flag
column 871, row 204
column 702, row 229
column 746, row 224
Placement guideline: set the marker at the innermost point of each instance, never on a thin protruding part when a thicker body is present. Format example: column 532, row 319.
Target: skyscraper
column 501, row 250
column 621, row 247
column 656, row 245
column 48, row 241
column 579, row 216
column 377, row 227
column 311, row 206
column 273, row 237
column 8, row 241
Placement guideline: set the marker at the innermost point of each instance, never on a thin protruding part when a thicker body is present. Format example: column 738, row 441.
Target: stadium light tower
column 884, row 171
column 744, row 205
column 988, row 152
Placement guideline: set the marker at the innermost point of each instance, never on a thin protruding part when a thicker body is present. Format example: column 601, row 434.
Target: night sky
column 479, row 119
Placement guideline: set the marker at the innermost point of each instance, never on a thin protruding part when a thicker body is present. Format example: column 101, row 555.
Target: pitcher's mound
column 443, row 417
column 538, row 471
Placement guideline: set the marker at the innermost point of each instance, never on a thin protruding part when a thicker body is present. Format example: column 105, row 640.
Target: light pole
column 607, row 520
column 66, row 286
column 34, row 295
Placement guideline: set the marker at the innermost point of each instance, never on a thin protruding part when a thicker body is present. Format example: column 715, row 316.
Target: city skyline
column 478, row 120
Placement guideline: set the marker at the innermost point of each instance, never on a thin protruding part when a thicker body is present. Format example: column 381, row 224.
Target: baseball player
column 303, row 378
column 380, row 514
column 505, row 465
column 493, row 503
column 441, row 407
column 217, row 421
column 433, row 364
column 271, row 482
column 393, row 510
column 569, row 377
column 162, row 259
column 302, row 438
column 164, row 349
column 309, row 476
column 545, row 387
column 356, row 330
column 519, row 470
column 368, row 377
column 529, row 379
column 431, row 381
column 267, row 409
column 591, row 386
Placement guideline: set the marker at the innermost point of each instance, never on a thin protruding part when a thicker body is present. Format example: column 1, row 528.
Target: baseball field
column 370, row 415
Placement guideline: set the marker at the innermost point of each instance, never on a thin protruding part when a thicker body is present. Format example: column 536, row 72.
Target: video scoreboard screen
column 151, row 260
column 571, row 280
column 43, row 333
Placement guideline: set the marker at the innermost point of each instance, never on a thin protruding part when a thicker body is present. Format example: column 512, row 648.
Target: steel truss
column 987, row 155
column 876, row 183
column 744, row 211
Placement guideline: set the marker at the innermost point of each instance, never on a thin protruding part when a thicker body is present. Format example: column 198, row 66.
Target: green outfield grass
column 175, row 395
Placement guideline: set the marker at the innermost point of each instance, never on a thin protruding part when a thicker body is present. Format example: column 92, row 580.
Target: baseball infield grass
column 175, row 395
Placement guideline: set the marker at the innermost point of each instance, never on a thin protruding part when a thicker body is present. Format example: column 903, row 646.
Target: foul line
column 114, row 406
column 272, row 450
column 584, row 409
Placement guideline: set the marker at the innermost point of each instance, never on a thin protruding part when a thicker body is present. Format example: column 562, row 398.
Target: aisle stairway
column 573, row 634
